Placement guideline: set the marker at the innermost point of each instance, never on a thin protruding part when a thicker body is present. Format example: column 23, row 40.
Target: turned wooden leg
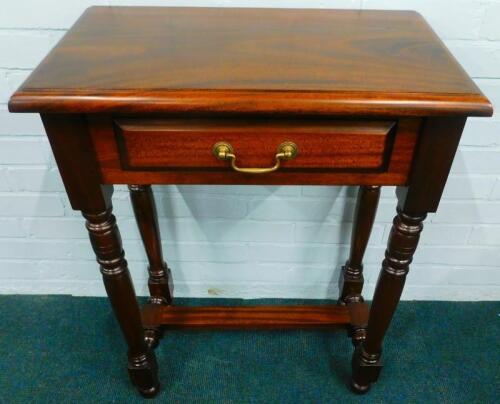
column 160, row 277
column 106, row 242
column 402, row 243
column 351, row 277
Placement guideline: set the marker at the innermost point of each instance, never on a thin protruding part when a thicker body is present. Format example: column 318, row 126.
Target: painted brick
column 34, row 44
column 55, row 228
column 442, row 275
column 36, row 249
column 200, row 252
column 477, row 161
column 284, row 274
column 332, row 233
column 386, row 210
column 467, row 212
column 202, row 206
column 19, row 124
column 14, row 13
column 344, row 192
column 496, row 191
column 196, row 206
column 39, row 179
column 74, row 270
column 479, row 58
column 388, row 193
column 19, row 270
column 300, row 209
column 485, row 235
column 181, row 230
column 468, row 187
column 30, row 205
column 490, row 28
column 233, row 190
column 243, row 3
column 11, row 228
column 491, row 88
column 4, row 185
column 481, row 132
column 329, row 192
column 10, row 80
column 463, row 17
column 249, row 241
column 88, row 270
column 33, row 14
column 229, row 231
column 457, row 255
column 290, row 253
column 23, row 151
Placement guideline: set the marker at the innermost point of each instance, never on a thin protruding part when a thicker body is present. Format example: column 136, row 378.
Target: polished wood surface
column 146, row 59
column 106, row 242
column 160, row 284
column 160, row 278
column 401, row 246
column 269, row 317
column 187, row 144
column 166, row 151
column 351, row 278
column 431, row 164
column 138, row 96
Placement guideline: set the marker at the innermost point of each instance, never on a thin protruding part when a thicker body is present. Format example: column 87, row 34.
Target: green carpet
column 69, row 350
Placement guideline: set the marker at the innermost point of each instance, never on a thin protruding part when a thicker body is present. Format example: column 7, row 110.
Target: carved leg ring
column 351, row 277
column 160, row 277
column 106, row 242
column 402, row 244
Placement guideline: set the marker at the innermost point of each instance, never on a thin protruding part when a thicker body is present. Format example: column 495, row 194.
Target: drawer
column 164, row 150
column 252, row 147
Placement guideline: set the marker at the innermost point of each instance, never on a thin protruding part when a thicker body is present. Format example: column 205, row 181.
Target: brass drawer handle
column 224, row 151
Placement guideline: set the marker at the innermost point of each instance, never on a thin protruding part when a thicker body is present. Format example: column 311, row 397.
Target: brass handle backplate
column 224, row 151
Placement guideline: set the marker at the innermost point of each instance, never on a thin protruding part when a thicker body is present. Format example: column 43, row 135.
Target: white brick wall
column 249, row 241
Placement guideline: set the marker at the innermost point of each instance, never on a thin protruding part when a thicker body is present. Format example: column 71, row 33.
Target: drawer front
column 189, row 145
column 145, row 150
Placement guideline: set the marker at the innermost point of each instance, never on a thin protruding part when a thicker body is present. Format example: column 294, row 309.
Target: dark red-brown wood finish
column 333, row 62
column 160, row 282
column 143, row 96
column 351, row 278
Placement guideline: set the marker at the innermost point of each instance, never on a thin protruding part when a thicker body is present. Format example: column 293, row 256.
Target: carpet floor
column 69, row 350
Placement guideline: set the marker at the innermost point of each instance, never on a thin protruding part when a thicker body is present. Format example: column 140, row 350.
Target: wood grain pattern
column 303, row 72
column 142, row 59
column 351, row 276
column 187, row 144
column 245, row 316
column 401, row 246
column 83, row 187
column 395, row 172
column 433, row 154
column 107, row 245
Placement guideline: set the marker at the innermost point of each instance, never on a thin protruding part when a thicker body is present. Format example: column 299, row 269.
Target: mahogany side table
column 143, row 96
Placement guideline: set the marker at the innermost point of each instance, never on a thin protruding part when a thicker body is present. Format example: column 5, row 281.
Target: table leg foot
column 143, row 372
column 106, row 242
column 365, row 370
column 402, row 244
column 160, row 277
column 356, row 388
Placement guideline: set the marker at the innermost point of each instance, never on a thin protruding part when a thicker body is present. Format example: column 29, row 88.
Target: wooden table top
column 150, row 59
